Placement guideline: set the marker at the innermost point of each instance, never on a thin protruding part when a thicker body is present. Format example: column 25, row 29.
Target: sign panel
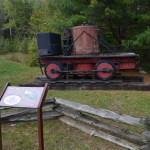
column 28, row 97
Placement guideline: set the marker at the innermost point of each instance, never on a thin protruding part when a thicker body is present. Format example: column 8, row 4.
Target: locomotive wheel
column 107, row 69
column 51, row 69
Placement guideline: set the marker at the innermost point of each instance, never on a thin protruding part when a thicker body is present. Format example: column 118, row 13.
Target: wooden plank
column 50, row 100
column 49, row 105
column 119, row 79
column 129, row 83
column 25, row 110
column 91, row 131
column 16, row 112
column 31, row 116
column 107, row 114
column 147, row 134
column 4, row 108
column 146, row 121
column 145, row 147
column 134, row 137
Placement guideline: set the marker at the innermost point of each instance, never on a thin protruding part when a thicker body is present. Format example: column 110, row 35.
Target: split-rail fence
column 94, row 121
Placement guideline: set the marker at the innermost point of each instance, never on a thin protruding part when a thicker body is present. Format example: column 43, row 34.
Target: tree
column 1, row 20
column 17, row 16
column 120, row 21
column 124, row 19
column 141, row 44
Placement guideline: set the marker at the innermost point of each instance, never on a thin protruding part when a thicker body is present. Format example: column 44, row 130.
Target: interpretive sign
column 25, row 97
column 28, row 97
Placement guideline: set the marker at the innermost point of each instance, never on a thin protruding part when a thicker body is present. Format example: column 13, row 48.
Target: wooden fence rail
column 122, row 137
column 107, row 114
column 137, row 138
column 86, row 118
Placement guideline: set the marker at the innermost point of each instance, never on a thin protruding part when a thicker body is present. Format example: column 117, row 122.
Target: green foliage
column 46, row 18
column 15, row 45
column 32, row 60
column 142, row 40
column 17, row 15
column 141, row 44
column 26, row 45
column 21, row 124
column 32, row 50
column 32, row 47
column 17, row 57
column 5, row 45
column 21, row 44
column 119, row 20
column 123, row 19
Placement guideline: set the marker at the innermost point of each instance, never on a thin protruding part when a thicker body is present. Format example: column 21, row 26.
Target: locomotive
column 80, row 55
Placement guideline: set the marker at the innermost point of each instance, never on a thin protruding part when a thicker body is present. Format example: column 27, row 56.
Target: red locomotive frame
column 103, row 65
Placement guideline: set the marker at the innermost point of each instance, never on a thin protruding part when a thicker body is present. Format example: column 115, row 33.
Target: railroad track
column 118, row 83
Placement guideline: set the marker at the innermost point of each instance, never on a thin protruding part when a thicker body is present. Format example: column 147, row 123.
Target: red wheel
column 52, row 70
column 107, row 69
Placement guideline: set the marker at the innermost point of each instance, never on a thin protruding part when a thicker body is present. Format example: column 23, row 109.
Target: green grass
column 135, row 103
column 17, row 57
column 58, row 136
column 16, row 73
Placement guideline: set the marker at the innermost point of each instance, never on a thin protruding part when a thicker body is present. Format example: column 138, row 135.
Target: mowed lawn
column 16, row 73
column 58, row 136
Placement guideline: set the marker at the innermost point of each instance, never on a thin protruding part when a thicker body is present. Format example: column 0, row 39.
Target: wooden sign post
column 25, row 97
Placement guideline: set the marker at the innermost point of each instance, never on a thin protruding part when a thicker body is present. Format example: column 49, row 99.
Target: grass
column 16, row 73
column 17, row 57
column 58, row 136
column 135, row 103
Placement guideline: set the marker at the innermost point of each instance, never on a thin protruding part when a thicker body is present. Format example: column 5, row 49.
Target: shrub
column 17, row 57
column 20, row 50
column 21, row 44
column 5, row 45
column 32, row 50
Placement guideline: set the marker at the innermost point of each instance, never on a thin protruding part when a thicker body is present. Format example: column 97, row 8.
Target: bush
column 17, row 57
column 15, row 45
column 21, row 50
column 32, row 50
column 5, row 45
column 21, row 44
